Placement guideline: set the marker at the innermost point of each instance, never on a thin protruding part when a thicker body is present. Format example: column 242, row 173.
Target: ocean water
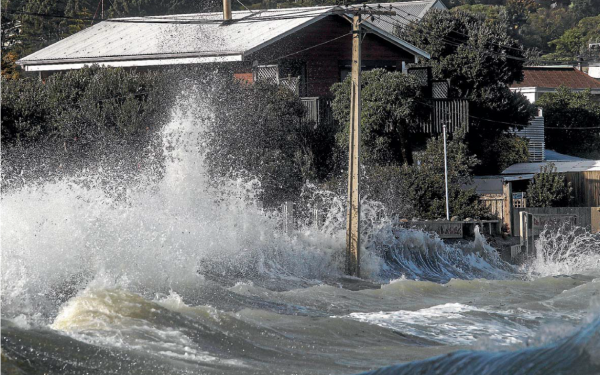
column 179, row 276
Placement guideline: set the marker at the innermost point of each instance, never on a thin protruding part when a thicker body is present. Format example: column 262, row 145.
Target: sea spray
column 181, row 273
column 566, row 250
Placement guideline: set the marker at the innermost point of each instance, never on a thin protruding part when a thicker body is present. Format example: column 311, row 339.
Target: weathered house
column 308, row 49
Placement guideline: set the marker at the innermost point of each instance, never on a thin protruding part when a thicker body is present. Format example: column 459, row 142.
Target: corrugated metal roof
column 561, row 166
column 117, row 39
column 196, row 35
column 552, row 155
column 406, row 12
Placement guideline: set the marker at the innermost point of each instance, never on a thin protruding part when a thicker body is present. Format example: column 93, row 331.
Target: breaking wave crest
column 417, row 255
column 575, row 354
column 566, row 251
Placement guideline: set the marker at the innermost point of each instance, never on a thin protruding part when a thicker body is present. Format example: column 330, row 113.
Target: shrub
column 549, row 189
column 566, row 109
column 391, row 108
column 258, row 131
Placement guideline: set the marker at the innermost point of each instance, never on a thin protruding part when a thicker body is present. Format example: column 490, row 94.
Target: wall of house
column 323, row 62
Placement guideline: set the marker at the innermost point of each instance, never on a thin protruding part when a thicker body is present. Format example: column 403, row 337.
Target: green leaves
column 87, row 104
column 549, row 189
column 480, row 59
column 566, row 109
column 392, row 104
column 258, row 132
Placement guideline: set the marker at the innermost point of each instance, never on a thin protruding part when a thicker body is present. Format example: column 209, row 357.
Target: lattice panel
column 266, row 73
column 439, row 89
column 292, row 83
column 422, row 74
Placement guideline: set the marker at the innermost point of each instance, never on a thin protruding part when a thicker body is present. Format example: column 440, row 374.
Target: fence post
column 288, row 217
column 316, row 216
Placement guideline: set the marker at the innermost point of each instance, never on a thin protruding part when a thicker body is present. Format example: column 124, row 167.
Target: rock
column 455, row 218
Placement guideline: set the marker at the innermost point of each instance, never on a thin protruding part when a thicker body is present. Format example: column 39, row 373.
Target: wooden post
column 288, row 217
column 226, row 10
column 507, row 206
column 353, row 217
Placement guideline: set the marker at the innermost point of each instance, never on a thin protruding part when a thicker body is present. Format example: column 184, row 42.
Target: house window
column 345, row 66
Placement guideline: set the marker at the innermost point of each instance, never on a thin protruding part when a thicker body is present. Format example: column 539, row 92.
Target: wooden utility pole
column 353, row 214
column 353, row 217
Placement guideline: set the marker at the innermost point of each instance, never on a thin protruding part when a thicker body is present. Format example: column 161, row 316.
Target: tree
column 516, row 13
column 585, row 8
column 86, row 105
column 392, row 104
column 544, row 25
column 481, row 60
column 424, row 184
column 549, row 189
column 84, row 119
column 574, row 41
column 258, row 132
column 137, row 8
column 566, row 115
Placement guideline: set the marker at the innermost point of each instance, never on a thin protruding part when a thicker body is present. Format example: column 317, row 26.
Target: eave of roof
column 561, row 167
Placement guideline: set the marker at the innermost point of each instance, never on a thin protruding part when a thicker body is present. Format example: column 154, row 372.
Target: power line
column 451, row 42
column 165, row 20
column 574, row 128
column 306, row 49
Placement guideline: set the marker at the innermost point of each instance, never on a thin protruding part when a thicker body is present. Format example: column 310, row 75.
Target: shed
column 584, row 176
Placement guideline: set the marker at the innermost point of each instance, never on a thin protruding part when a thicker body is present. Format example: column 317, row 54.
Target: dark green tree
column 392, row 104
column 138, row 8
column 549, row 189
column 567, row 114
column 480, row 59
column 424, row 184
column 259, row 132
column 575, row 40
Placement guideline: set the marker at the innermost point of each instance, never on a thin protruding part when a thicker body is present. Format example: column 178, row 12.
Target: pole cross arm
column 368, row 12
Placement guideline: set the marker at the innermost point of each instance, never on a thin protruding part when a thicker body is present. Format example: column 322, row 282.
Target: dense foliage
column 77, row 119
column 84, row 105
column 258, row 131
column 480, row 60
column 418, row 190
column 572, row 121
column 560, row 30
column 392, row 104
column 549, row 189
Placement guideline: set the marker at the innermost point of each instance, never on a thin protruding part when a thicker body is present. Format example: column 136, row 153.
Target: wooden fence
column 495, row 205
column 584, row 215
column 586, row 187
column 454, row 113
